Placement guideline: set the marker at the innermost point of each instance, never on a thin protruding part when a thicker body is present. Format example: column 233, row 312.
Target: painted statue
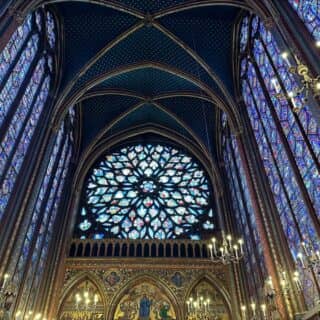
column 145, row 306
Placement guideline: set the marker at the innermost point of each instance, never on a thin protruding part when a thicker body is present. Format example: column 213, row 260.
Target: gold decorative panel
column 149, row 289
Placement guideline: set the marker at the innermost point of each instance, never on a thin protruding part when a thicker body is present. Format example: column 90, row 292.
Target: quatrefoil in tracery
column 146, row 191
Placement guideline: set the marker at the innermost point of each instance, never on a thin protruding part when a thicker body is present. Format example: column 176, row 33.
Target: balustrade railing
column 138, row 248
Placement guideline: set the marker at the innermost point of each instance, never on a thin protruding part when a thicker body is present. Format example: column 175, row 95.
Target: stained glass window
column 25, row 80
column 146, row 192
column 42, row 214
column 309, row 13
column 288, row 139
column 9, row 53
column 242, row 207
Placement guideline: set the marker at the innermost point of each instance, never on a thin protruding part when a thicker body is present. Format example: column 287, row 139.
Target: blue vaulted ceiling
column 122, row 53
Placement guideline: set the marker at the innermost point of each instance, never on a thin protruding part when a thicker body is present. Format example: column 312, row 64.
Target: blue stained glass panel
column 309, row 13
column 17, row 160
column 21, row 114
column 51, row 34
column 40, row 251
column 244, row 33
column 290, row 127
column 9, row 53
column 10, row 89
column 37, row 207
column 145, row 191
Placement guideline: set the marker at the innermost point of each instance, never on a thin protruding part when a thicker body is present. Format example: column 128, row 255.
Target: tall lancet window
column 26, row 74
column 32, row 253
column 309, row 13
column 287, row 135
column 242, row 207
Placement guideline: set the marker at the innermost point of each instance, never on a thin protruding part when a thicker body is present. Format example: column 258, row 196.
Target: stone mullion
column 39, row 220
column 18, row 202
column 18, row 55
column 295, row 116
column 289, row 24
column 245, row 242
column 260, row 205
column 277, row 168
column 53, row 262
column 48, row 221
column 285, row 143
column 238, row 268
column 9, row 160
column 246, row 212
column 288, row 262
column 22, row 88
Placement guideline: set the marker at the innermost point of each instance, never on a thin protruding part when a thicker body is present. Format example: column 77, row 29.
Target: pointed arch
column 138, row 280
column 76, row 281
column 63, row 105
column 216, row 284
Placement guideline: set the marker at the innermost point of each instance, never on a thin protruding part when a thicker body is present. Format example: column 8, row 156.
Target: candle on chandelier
column 243, row 311
column 214, row 240
column 229, row 238
column 5, row 279
column 235, row 247
column 264, row 310
column 240, row 241
column 270, row 283
column 300, row 257
column 253, row 308
column 285, row 57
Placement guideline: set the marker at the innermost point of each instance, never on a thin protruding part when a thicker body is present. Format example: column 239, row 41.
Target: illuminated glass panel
column 51, row 30
column 309, row 13
column 44, row 235
column 12, row 86
column 244, row 214
column 250, row 261
column 37, row 208
column 285, row 189
column 20, row 115
column 272, row 119
column 9, row 53
column 279, row 154
column 244, row 33
column 290, row 126
column 22, row 147
column 146, row 192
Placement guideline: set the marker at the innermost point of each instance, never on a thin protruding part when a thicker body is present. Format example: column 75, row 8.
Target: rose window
column 146, row 192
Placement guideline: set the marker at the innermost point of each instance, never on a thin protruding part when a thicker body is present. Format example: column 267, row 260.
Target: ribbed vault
column 164, row 64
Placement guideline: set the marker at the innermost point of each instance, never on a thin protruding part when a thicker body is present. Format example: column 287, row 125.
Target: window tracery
column 288, row 140
column 145, row 192
column 25, row 81
column 243, row 209
column 308, row 11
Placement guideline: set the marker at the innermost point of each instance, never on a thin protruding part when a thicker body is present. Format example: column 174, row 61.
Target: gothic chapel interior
column 159, row 159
